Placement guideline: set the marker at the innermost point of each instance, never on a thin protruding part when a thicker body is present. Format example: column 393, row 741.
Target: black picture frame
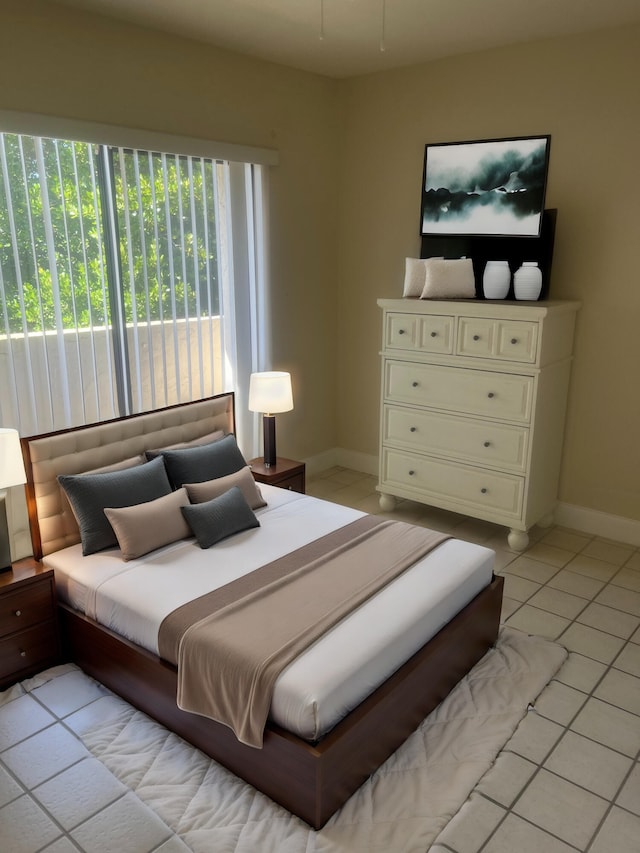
column 485, row 187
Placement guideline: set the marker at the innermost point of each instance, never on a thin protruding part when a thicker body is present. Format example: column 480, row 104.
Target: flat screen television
column 489, row 187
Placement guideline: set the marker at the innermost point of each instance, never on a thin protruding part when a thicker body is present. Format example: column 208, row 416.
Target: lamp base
column 5, row 546
column 269, row 439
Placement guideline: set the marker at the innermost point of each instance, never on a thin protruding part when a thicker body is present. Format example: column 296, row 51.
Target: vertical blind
column 129, row 280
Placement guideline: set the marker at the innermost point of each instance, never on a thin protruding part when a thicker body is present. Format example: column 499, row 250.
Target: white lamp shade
column 11, row 464
column 270, row 392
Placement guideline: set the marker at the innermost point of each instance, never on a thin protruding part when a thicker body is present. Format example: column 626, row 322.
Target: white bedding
column 340, row 670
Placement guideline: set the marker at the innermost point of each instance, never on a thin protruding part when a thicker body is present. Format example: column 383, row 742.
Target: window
column 129, row 280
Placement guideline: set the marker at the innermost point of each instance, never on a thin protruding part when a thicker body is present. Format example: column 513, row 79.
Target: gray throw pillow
column 89, row 494
column 197, row 464
column 220, row 518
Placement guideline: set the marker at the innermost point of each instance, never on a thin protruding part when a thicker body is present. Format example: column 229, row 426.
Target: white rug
column 402, row 808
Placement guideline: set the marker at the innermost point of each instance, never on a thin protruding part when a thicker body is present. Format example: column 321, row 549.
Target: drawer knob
column 491, row 395
column 415, row 383
column 487, row 444
column 18, row 612
column 411, row 473
column 23, row 654
column 514, row 340
column 476, row 337
column 412, row 429
column 434, row 334
column 483, row 490
column 401, row 331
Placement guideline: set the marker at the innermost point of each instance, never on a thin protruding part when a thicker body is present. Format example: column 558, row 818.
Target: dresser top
column 506, row 308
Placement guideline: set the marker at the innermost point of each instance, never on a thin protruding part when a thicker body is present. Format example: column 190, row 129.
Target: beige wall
column 345, row 196
column 584, row 92
column 62, row 62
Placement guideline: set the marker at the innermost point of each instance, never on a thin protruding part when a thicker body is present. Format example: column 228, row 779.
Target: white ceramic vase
column 527, row 281
column 496, row 280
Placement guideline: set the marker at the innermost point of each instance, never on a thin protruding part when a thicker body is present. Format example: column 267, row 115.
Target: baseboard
column 582, row 519
column 592, row 521
column 364, row 462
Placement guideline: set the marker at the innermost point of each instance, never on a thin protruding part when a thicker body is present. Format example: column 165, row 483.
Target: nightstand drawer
column 32, row 649
column 25, row 607
column 294, row 484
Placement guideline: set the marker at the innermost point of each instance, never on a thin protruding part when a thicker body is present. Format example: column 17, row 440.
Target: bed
column 317, row 748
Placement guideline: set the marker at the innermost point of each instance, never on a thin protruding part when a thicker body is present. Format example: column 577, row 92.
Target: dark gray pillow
column 89, row 494
column 207, row 462
column 220, row 518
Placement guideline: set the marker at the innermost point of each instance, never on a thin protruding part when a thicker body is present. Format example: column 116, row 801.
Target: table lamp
column 270, row 393
column 11, row 474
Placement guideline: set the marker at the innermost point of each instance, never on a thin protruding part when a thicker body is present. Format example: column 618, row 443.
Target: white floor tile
column 535, row 737
column 561, row 808
column 78, row 793
column 609, row 620
column 610, row 726
column 620, row 689
column 591, row 643
column 625, row 600
column 629, row 796
column 533, row 570
column 559, row 703
column 25, row 828
column 126, row 824
column 506, row 778
column 592, row 568
column 558, row 602
column 589, row 764
column 620, row 832
column 518, row 588
column 515, row 835
column 629, row 659
column 68, row 693
column 43, row 755
column 581, row 672
column 20, row 719
column 531, row 620
column 610, row 552
column 9, row 788
column 545, row 553
column 576, row 584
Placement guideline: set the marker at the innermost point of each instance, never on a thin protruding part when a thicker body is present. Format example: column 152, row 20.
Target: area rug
column 402, row 808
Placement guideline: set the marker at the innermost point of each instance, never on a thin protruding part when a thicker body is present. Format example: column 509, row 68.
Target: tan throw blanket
column 228, row 661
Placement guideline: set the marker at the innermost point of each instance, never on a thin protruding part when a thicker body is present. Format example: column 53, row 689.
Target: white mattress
column 336, row 673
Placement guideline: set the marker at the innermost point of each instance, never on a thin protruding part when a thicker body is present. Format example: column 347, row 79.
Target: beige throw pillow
column 449, row 279
column 243, row 479
column 147, row 526
column 415, row 273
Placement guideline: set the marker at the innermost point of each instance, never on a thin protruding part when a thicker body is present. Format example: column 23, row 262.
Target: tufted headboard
column 86, row 448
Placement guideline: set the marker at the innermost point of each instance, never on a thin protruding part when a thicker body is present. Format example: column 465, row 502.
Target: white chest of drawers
column 473, row 407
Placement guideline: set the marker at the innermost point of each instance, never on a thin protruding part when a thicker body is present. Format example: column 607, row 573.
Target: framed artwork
column 490, row 187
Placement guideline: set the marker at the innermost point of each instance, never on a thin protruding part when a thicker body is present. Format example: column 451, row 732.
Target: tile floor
column 568, row 780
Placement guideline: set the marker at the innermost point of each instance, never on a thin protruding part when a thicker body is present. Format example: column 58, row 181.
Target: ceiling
column 344, row 38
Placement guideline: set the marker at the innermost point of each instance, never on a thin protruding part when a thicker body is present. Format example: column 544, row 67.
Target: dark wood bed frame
column 311, row 780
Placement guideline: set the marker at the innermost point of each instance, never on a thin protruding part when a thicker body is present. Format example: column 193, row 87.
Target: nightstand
column 286, row 473
column 29, row 639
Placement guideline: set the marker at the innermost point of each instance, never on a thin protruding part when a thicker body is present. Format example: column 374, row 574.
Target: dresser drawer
column 466, row 486
column 482, row 442
column 25, row 607
column 32, row 649
column 507, row 340
column 433, row 334
column 475, row 392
